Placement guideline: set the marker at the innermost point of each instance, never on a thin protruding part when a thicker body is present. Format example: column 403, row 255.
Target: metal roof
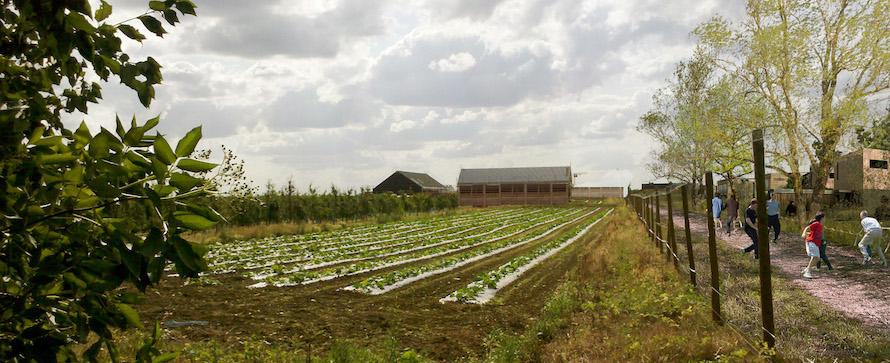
column 425, row 181
column 547, row 174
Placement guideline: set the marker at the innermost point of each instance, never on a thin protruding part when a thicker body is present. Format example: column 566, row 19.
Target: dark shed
column 408, row 182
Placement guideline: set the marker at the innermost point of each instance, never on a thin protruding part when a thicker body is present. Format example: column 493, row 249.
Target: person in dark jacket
column 791, row 209
column 751, row 227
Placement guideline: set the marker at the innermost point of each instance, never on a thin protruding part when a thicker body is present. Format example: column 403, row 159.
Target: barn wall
column 486, row 195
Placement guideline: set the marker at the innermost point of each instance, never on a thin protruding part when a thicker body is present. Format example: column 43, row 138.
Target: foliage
column 876, row 136
column 64, row 251
column 288, row 205
column 701, row 122
column 815, row 63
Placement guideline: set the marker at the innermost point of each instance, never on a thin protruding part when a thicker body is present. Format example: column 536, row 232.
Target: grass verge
column 623, row 304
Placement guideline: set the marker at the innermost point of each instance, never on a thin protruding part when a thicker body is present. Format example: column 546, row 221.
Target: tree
column 64, row 252
column 815, row 63
column 877, row 136
column 703, row 123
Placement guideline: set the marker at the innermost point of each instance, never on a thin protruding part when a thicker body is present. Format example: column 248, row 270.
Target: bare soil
column 314, row 316
column 859, row 292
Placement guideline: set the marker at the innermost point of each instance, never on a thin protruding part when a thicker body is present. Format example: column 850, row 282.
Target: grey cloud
column 260, row 30
column 301, row 109
column 474, row 9
column 496, row 79
column 217, row 120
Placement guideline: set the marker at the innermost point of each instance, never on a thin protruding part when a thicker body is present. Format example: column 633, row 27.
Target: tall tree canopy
column 815, row 62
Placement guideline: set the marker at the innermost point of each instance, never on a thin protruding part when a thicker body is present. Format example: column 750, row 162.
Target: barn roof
column 425, row 181
column 547, row 174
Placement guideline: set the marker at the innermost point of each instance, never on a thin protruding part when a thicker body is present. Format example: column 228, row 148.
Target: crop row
column 486, row 285
column 426, row 241
column 319, row 240
column 284, row 255
column 503, row 236
column 383, row 283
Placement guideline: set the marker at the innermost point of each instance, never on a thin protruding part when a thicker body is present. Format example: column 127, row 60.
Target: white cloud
column 457, row 62
column 346, row 91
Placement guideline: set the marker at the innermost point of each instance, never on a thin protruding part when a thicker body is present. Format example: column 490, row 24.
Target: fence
column 648, row 210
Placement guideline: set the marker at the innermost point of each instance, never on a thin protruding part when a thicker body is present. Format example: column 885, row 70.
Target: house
column 865, row 175
column 598, row 192
column 405, row 182
column 523, row 186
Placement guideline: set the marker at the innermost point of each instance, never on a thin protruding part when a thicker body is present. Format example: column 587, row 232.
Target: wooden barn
column 523, row 186
column 405, row 182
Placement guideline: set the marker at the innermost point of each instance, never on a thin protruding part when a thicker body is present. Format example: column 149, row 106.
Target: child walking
column 813, row 233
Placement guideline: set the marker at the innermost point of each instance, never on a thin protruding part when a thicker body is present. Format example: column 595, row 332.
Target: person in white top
column 873, row 234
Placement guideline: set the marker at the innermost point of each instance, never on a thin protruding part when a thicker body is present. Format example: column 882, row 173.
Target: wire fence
column 648, row 211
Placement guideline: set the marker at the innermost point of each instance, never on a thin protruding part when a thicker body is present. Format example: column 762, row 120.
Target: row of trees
column 809, row 72
column 287, row 205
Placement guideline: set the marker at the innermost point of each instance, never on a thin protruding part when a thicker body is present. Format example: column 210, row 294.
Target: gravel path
column 861, row 292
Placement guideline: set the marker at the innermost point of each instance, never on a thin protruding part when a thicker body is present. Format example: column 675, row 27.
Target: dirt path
column 860, row 292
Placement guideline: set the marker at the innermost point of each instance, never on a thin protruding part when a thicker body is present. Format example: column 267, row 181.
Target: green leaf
column 171, row 17
column 53, row 159
column 186, row 146
column 131, row 32
column 206, row 212
column 151, row 123
column 163, row 151
column 164, row 190
column 195, row 166
column 153, row 25
column 119, row 127
column 80, row 22
column 186, row 7
column 130, row 314
column 184, row 181
column 82, row 135
column 189, row 255
column 193, row 221
column 104, row 11
column 157, row 5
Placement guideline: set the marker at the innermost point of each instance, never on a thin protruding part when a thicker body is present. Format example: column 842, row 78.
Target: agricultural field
column 421, row 282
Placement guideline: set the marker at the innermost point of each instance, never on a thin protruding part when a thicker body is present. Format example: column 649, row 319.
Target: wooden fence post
column 672, row 231
column 689, row 254
column 712, row 251
column 766, row 285
column 658, row 235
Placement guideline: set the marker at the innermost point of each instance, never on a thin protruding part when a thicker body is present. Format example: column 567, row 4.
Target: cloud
column 260, row 30
column 434, row 70
column 346, row 91
column 457, row 62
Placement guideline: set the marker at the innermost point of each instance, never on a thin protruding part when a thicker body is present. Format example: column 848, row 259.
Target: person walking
column 813, row 242
column 873, row 234
column 751, row 228
column 772, row 216
column 717, row 207
column 732, row 213
column 791, row 209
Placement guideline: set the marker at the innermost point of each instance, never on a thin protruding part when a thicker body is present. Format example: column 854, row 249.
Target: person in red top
column 813, row 233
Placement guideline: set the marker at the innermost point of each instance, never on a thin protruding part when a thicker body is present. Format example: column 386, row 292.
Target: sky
column 344, row 92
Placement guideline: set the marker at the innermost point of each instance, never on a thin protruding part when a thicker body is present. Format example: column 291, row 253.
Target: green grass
column 623, row 304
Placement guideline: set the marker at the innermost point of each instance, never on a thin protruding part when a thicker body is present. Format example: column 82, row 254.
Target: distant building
column 405, row 182
column 523, row 186
column 865, row 175
column 598, row 192
column 655, row 186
